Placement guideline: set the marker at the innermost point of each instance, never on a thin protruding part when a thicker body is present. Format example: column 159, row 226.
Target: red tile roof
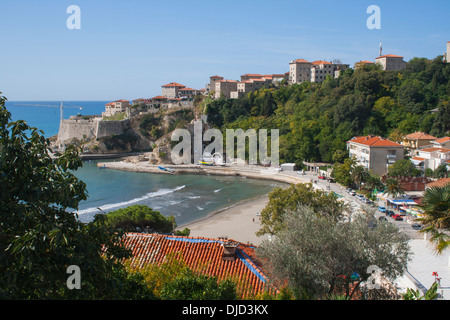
column 389, row 56
column 441, row 140
column 365, row 61
column 319, row 62
column 173, row 84
column 213, row 77
column 187, row 89
column 418, row 158
column 159, row 98
column 301, row 61
column 439, row 183
column 203, row 255
column 420, row 136
column 252, row 75
column 435, row 150
column 373, row 141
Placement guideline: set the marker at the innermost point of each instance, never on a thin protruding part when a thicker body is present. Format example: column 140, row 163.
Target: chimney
column 229, row 251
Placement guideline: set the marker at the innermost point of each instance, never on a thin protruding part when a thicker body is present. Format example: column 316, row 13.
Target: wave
column 110, row 206
column 217, row 190
column 193, row 197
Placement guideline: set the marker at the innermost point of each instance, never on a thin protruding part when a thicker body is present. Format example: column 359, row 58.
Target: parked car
column 352, row 193
column 397, row 217
column 382, row 218
column 368, row 201
column 390, row 213
column 416, row 226
column 381, row 209
column 322, row 177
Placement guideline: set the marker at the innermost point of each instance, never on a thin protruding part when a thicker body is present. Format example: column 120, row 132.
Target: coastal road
column 404, row 226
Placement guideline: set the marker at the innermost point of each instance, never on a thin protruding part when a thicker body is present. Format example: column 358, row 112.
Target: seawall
column 88, row 129
column 253, row 172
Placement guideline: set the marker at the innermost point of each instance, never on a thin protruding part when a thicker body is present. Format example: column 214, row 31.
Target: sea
column 187, row 197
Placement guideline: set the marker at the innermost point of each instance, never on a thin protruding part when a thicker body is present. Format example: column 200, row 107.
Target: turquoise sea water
column 187, row 197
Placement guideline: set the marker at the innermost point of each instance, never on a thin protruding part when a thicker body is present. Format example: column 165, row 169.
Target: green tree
column 436, row 216
column 403, row 168
column 282, row 200
column 359, row 174
column 191, row 286
column 319, row 257
column 393, row 188
column 342, row 172
column 136, row 218
column 441, row 171
column 39, row 237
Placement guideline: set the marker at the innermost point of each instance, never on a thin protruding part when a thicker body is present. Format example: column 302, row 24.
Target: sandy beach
column 239, row 222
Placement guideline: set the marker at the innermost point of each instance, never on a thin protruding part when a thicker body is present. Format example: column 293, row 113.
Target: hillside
column 316, row 119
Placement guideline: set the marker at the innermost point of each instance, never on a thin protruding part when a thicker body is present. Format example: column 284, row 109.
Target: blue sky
column 128, row 49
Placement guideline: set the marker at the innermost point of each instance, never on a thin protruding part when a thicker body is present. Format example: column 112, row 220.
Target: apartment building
column 211, row 86
column 299, row 71
column 224, row 87
column 391, row 62
column 114, row 107
column 431, row 158
column 375, row 153
column 171, row 90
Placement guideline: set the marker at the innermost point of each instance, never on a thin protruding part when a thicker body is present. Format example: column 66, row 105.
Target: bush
column 136, row 218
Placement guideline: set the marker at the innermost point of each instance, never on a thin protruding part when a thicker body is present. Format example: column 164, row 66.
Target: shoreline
column 237, row 221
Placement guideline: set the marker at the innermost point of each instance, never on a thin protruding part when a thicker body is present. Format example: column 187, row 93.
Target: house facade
column 417, row 140
column 114, row 107
column 431, row 158
column 375, row 153
column 391, row 62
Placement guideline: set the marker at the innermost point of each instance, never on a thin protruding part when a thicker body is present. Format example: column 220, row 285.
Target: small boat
column 206, row 163
column 167, row 170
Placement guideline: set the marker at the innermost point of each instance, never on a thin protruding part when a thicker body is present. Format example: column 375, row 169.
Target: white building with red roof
column 442, row 143
column 431, row 158
column 375, row 153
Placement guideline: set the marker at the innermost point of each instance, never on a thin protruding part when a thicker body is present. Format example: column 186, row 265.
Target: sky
column 129, row 49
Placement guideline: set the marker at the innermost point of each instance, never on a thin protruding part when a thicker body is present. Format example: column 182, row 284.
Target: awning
column 407, row 202
column 417, row 160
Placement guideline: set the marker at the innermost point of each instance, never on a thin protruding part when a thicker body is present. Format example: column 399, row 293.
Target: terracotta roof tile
column 301, row 61
column 319, row 62
column 441, row 140
column 173, row 84
column 204, row 255
column 444, row 150
column 439, row 183
column 420, row 136
column 389, row 56
column 373, row 141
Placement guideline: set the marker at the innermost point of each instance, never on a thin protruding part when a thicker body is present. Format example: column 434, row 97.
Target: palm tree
column 373, row 181
column 436, row 216
column 358, row 175
column 393, row 188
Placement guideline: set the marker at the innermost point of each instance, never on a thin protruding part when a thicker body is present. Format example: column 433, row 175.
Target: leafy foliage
column 283, row 200
column 39, row 238
column 136, row 218
column 321, row 258
column 436, row 216
column 317, row 119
